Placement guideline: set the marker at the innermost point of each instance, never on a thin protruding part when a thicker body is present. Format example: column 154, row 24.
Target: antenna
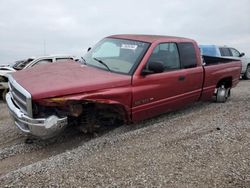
column 44, row 47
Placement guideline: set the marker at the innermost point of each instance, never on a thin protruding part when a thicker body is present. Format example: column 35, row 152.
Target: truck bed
column 211, row 60
column 217, row 69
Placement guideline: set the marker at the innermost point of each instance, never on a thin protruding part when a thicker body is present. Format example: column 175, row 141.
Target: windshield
column 116, row 55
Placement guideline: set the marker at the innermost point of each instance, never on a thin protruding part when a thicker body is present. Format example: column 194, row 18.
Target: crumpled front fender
column 119, row 98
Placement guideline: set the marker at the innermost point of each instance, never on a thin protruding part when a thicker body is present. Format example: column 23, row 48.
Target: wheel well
column 248, row 65
column 115, row 109
column 99, row 109
column 3, row 79
column 227, row 82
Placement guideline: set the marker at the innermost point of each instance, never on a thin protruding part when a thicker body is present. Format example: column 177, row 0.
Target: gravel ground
column 204, row 145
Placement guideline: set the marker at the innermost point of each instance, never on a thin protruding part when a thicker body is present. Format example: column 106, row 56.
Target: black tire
column 247, row 73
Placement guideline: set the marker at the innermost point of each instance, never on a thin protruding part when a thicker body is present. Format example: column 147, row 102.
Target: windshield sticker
column 129, row 46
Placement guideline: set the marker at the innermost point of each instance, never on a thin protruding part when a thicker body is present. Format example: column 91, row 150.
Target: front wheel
column 247, row 73
column 222, row 94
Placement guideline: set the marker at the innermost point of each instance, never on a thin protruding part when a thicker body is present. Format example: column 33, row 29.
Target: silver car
column 233, row 53
column 228, row 52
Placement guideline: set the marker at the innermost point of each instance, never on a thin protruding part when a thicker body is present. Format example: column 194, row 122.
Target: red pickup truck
column 124, row 78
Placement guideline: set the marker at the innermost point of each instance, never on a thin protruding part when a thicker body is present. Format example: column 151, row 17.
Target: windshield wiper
column 84, row 61
column 100, row 61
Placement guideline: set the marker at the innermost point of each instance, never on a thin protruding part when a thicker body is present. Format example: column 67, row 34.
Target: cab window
column 187, row 55
column 167, row 54
column 225, row 52
column 63, row 58
column 44, row 61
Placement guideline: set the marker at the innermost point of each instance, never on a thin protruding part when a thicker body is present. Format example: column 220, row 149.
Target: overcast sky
column 32, row 28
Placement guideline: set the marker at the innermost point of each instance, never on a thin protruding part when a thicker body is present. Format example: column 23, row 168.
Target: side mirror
column 242, row 54
column 153, row 67
column 89, row 49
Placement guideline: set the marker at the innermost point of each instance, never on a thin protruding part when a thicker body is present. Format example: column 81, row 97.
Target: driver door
column 177, row 86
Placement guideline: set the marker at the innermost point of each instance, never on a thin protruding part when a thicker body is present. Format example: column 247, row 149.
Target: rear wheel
column 247, row 73
column 222, row 94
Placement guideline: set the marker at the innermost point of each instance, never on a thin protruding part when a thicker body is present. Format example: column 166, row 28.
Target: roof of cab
column 149, row 38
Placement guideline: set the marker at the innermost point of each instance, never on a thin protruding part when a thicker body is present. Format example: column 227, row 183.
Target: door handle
column 181, row 78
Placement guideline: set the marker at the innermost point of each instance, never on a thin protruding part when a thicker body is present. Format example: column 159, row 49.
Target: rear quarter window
column 225, row 52
column 187, row 55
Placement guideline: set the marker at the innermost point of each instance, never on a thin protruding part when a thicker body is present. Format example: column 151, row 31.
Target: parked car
column 123, row 78
column 228, row 52
column 23, row 64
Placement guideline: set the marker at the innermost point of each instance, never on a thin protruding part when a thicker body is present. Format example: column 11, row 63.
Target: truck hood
column 60, row 79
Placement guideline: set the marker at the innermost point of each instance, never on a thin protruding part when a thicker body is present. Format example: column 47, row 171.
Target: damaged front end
column 23, row 111
column 42, row 127
column 88, row 115
column 50, row 118
column 47, row 117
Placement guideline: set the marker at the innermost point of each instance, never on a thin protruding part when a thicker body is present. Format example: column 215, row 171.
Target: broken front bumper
column 42, row 127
